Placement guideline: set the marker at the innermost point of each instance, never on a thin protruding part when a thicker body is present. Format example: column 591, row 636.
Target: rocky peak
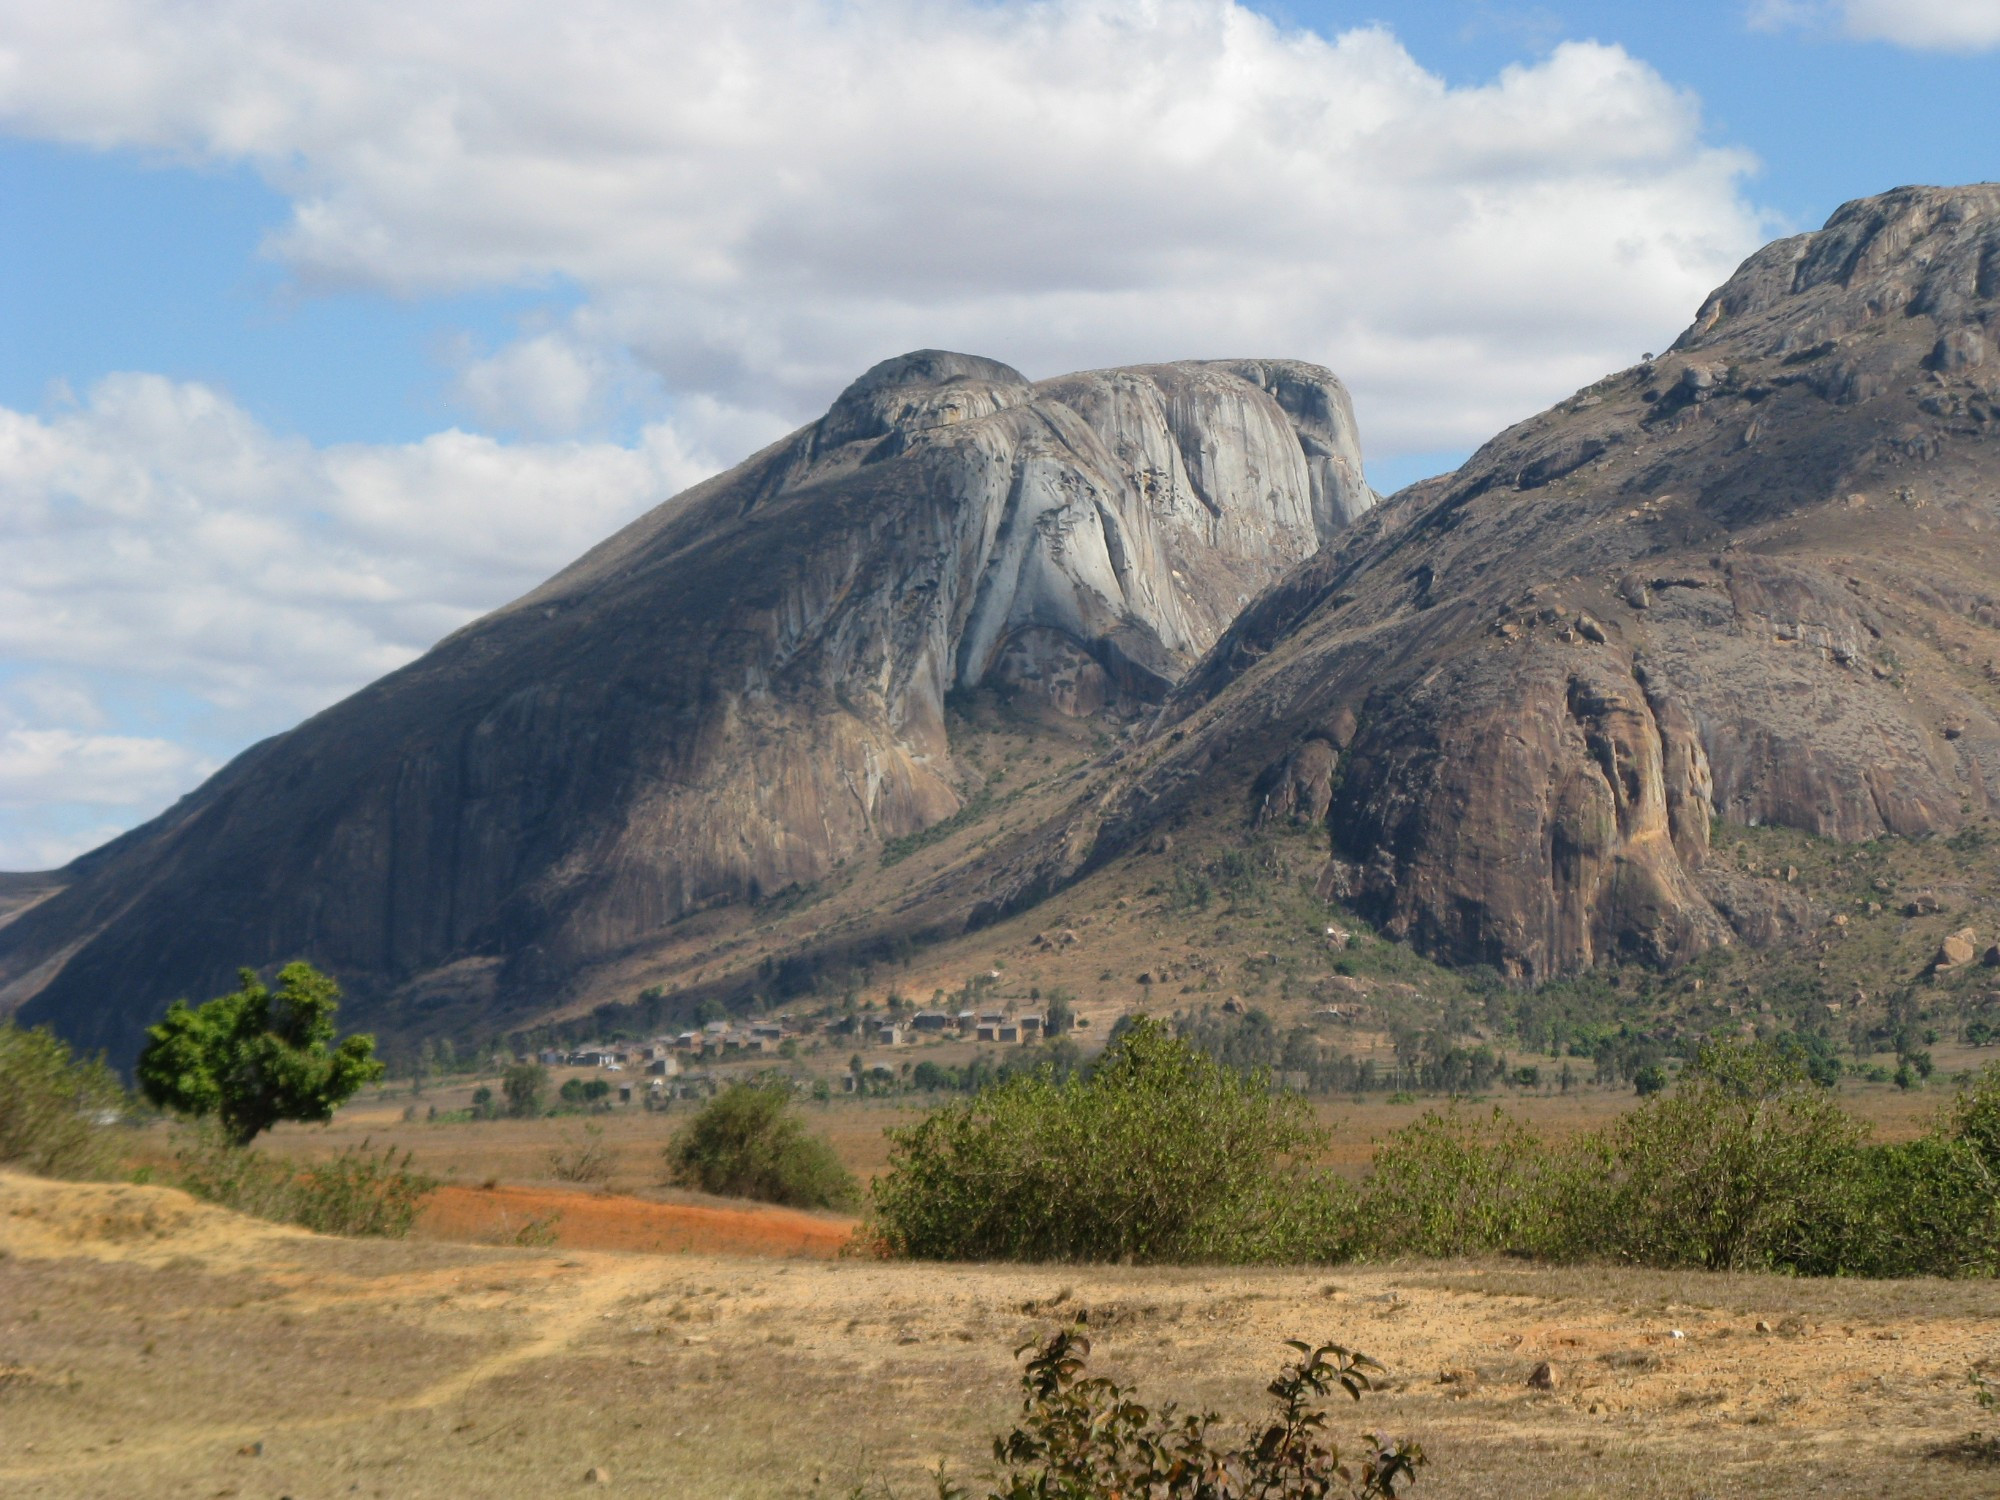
column 1749, row 581
column 1915, row 252
column 734, row 695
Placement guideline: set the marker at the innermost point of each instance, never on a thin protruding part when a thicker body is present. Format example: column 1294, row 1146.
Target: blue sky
column 319, row 337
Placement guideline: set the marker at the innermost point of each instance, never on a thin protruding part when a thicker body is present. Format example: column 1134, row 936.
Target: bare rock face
column 1753, row 580
column 731, row 696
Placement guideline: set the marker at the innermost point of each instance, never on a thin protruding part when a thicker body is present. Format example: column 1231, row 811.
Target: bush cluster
column 1745, row 1165
column 54, row 1107
column 1162, row 1154
column 748, row 1142
column 1157, row 1154
column 359, row 1192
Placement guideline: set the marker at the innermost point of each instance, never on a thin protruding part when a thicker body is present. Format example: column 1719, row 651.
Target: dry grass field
column 519, row 1151
column 152, row 1346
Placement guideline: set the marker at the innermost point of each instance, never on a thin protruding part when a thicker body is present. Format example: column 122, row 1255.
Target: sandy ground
column 152, row 1346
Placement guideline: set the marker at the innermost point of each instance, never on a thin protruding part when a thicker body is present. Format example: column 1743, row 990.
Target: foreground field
column 153, row 1346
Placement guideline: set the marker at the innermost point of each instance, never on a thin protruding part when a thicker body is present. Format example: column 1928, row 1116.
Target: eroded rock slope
column 733, row 695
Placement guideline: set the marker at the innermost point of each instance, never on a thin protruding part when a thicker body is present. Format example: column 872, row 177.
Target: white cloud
column 1932, row 25
column 761, row 197
column 36, row 848
column 158, row 535
column 158, row 530
column 1922, row 25
column 38, row 766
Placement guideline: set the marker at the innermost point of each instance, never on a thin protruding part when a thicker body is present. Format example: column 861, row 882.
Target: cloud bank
column 757, row 199
column 761, row 197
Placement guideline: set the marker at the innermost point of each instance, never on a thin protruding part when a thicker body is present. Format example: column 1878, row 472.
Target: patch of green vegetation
column 748, row 1142
column 54, row 1106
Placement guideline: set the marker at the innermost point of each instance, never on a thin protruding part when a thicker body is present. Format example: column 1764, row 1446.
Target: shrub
column 583, row 1159
column 747, row 1142
column 54, row 1106
column 1746, row 1165
column 359, row 1192
column 1158, row 1154
column 581, row 1093
column 1082, row 1438
column 1452, row 1183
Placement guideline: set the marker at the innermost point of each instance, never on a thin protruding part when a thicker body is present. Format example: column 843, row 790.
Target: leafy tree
column 748, row 1143
column 525, row 1084
column 256, row 1056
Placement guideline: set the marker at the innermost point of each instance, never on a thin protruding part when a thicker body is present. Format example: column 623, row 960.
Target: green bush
column 1085, row 1437
column 747, row 1142
column 1158, row 1154
column 359, row 1192
column 1452, row 1183
column 54, row 1106
column 1746, row 1165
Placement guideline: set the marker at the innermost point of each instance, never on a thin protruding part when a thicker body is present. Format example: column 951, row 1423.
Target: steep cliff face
column 1754, row 580
column 739, row 691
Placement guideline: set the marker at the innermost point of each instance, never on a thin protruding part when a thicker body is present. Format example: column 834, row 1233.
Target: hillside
column 729, row 699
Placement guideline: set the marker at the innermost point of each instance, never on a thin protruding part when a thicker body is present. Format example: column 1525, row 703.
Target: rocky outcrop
column 1751, row 580
column 732, row 696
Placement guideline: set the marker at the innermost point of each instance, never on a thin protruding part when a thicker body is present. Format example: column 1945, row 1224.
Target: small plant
column 1083, row 1438
column 54, row 1106
column 538, row 1233
column 748, row 1142
column 360, row 1193
column 583, row 1158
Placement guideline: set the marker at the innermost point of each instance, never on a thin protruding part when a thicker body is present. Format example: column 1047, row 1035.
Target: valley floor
column 153, row 1346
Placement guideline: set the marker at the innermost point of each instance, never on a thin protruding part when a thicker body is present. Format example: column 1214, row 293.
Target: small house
column 931, row 1022
column 1031, row 1028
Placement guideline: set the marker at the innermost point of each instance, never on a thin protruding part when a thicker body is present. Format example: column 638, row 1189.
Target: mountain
column 730, row 698
column 1754, row 581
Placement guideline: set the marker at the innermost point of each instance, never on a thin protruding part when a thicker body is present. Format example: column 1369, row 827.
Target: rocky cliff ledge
column 739, row 691
column 1756, row 579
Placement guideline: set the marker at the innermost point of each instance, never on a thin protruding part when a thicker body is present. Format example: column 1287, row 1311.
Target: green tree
column 256, row 1056
column 525, row 1084
column 748, row 1143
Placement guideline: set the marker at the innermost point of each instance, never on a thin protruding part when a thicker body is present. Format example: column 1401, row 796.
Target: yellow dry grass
column 153, row 1346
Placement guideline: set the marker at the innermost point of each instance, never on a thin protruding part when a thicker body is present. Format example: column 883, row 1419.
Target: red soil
column 607, row 1221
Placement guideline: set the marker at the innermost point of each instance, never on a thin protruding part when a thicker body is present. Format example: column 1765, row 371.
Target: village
column 681, row 1066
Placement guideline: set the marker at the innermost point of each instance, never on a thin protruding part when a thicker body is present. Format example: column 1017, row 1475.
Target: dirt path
column 611, row 1221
